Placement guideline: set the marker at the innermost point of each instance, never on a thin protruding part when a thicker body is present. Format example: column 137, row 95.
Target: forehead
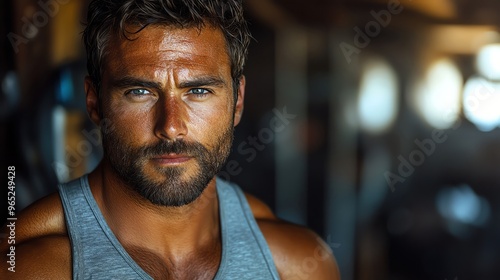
column 160, row 47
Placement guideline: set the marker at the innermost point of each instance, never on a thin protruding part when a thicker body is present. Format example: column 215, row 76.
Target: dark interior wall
column 7, row 120
column 255, row 171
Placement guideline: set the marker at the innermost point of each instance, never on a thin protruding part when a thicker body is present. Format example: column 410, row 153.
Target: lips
column 172, row 159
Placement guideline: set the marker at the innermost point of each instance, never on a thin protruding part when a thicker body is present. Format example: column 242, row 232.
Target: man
column 166, row 86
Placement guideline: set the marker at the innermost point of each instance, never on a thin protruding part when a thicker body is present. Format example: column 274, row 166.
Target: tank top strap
column 245, row 254
column 96, row 252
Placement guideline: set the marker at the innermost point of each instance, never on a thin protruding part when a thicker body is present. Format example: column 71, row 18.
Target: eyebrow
column 128, row 81
column 203, row 81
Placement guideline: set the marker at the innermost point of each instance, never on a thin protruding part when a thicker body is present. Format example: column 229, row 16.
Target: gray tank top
column 97, row 253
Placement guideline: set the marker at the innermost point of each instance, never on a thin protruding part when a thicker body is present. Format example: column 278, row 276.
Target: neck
column 170, row 232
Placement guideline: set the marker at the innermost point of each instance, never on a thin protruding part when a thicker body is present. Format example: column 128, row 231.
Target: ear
column 92, row 101
column 238, row 109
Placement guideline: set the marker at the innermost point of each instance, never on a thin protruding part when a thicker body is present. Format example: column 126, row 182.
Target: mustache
column 173, row 147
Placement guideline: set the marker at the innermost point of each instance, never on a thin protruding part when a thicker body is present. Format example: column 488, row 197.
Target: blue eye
column 138, row 91
column 199, row 91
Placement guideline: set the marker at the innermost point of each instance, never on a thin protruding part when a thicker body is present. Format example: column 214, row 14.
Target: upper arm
column 47, row 257
column 298, row 252
column 43, row 218
column 41, row 245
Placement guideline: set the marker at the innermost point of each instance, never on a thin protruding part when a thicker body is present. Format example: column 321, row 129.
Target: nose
column 170, row 122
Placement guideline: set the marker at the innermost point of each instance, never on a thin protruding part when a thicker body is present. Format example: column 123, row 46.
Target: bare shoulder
column 298, row 252
column 259, row 209
column 40, row 244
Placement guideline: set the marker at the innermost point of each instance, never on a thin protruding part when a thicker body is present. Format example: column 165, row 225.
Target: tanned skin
column 167, row 242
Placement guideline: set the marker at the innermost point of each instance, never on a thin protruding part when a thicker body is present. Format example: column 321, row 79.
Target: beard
column 171, row 188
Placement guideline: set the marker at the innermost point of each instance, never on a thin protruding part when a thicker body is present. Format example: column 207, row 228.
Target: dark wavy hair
column 107, row 17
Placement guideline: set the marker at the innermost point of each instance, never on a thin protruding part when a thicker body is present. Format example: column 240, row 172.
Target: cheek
column 128, row 124
column 210, row 121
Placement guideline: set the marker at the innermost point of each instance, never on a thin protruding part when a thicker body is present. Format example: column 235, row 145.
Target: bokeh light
column 481, row 100
column 378, row 96
column 488, row 61
column 438, row 95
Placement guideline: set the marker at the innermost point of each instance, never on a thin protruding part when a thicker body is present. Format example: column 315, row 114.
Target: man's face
column 169, row 96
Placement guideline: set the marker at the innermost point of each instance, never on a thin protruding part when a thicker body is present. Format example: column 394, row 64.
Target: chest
column 201, row 265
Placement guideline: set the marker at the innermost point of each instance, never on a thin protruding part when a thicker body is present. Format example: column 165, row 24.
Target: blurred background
column 374, row 122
